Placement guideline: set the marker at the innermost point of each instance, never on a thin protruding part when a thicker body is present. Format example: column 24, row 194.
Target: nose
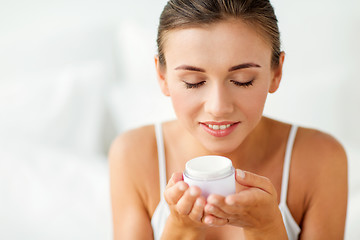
column 219, row 102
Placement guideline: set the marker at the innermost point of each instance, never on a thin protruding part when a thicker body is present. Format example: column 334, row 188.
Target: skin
column 203, row 56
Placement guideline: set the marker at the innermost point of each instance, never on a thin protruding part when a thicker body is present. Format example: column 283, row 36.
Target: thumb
column 176, row 177
column 248, row 179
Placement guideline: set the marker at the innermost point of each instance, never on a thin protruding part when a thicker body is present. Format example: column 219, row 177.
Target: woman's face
column 218, row 77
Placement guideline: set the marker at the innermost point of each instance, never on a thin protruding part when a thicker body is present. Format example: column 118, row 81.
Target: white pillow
column 133, row 105
column 53, row 86
column 60, row 108
column 50, row 193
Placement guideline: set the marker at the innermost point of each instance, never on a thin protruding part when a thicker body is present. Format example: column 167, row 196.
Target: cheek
column 253, row 102
column 184, row 104
column 179, row 103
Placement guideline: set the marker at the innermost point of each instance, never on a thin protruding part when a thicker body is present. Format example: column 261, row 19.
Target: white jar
column 212, row 174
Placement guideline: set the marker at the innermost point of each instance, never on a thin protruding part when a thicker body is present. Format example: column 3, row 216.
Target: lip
column 220, row 132
column 219, row 123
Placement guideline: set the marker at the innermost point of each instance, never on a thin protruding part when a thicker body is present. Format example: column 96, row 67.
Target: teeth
column 217, row 127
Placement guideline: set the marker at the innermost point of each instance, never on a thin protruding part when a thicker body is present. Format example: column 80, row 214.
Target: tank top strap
column 161, row 157
column 287, row 161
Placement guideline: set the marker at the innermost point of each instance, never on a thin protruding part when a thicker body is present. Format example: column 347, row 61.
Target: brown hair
column 187, row 13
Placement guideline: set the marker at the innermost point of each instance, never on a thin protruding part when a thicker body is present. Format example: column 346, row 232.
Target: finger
column 214, row 221
column 197, row 211
column 220, row 203
column 237, row 202
column 215, row 211
column 253, row 180
column 175, row 177
column 186, row 202
column 216, row 200
column 173, row 193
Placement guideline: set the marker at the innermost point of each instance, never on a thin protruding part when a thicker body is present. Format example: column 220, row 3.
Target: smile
column 219, row 129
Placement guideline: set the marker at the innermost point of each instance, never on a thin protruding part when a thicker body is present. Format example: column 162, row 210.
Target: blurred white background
column 74, row 74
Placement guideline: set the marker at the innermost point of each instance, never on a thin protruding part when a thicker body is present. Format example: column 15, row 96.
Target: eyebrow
column 244, row 65
column 233, row 68
column 189, row 68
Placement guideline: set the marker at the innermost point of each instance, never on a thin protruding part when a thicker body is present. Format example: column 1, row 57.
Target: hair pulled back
column 259, row 14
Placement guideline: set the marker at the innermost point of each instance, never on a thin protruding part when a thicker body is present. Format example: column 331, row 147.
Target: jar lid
column 208, row 167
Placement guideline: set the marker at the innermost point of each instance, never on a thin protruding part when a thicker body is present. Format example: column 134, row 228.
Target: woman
column 218, row 60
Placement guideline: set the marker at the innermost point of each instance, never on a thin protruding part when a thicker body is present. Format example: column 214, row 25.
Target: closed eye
column 243, row 84
column 194, row 85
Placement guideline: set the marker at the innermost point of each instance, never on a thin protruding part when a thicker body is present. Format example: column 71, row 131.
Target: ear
column 160, row 73
column 276, row 78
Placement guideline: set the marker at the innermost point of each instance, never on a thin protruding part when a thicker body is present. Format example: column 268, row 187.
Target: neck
column 252, row 150
column 249, row 155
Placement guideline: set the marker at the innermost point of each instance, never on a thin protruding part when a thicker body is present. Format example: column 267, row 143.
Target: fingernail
column 181, row 187
column 211, row 199
column 240, row 173
column 193, row 192
column 229, row 201
column 198, row 202
column 208, row 221
column 210, row 209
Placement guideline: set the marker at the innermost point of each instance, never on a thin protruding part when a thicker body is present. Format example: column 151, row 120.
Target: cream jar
column 212, row 174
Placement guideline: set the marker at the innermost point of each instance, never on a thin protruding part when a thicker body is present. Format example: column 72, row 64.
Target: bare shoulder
column 135, row 143
column 320, row 149
column 319, row 157
column 320, row 165
column 133, row 156
column 132, row 166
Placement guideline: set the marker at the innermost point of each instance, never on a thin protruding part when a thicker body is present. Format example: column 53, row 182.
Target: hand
column 253, row 208
column 186, row 203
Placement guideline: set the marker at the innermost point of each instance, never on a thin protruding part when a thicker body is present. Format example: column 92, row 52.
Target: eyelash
column 194, row 85
column 240, row 84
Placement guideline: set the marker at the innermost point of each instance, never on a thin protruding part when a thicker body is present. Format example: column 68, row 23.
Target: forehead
column 225, row 42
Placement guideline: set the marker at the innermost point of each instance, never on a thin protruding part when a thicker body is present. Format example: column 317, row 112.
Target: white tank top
column 162, row 210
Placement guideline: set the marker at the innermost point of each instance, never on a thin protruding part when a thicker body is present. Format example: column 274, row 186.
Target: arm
column 324, row 174
column 129, row 173
column 130, row 218
column 326, row 212
column 186, row 207
column 254, row 208
column 187, row 211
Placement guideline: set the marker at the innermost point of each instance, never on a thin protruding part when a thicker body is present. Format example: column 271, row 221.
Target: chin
column 220, row 148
